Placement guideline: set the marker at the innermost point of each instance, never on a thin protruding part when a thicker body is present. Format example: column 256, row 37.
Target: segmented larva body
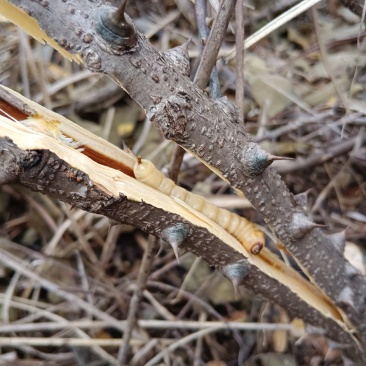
column 246, row 232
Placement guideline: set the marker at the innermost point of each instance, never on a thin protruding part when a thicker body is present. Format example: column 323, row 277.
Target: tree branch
column 38, row 157
column 210, row 130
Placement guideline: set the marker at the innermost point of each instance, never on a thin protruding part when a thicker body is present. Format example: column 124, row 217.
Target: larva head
column 115, row 29
column 255, row 160
column 146, row 172
column 256, row 248
column 236, row 273
column 175, row 235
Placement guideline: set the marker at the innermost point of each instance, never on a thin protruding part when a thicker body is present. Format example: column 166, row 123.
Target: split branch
column 208, row 129
column 39, row 158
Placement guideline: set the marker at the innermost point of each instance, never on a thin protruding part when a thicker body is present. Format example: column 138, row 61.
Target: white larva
column 246, row 232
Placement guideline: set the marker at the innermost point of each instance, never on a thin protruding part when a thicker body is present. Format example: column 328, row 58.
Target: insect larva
column 246, row 232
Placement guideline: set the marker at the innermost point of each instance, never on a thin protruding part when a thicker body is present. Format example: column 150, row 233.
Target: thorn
column 272, row 158
column 345, row 298
column 115, row 29
column 180, row 58
column 236, row 273
column 302, row 225
column 175, row 236
column 175, row 250
column 119, row 15
column 226, row 106
column 351, row 271
column 236, row 289
column 302, row 199
column 186, row 44
column 161, row 248
column 338, row 240
column 255, row 159
column 113, row 223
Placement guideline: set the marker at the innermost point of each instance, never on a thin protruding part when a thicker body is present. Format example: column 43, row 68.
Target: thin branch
column 144, row 272
column 145, row 324
column 239, row 40
column 329, row 153
column 213, row 44
column 176, row 163
column 203, row 34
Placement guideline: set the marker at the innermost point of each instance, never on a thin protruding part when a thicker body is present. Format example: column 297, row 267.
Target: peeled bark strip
column 210, row 130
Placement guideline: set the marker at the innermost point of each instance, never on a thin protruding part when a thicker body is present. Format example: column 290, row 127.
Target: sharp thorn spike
column 338, row 240
column 113, row 223
column 175, row 235
column 179, row 57
column 236, row 289
column 236, row 273
column 187, row 43
column 161, row 248
column 302, row 199
column 175, row 250
column 271, row 157
column 113, row 27
column 345, row 298
column 255, row 159
column 302, row 225
column 119, row 15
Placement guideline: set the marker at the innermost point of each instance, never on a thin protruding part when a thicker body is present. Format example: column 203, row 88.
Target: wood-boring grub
column 315, row 250
column 247, row 233
column 67, row 183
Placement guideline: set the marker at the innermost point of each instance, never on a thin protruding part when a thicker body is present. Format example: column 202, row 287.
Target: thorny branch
column 43, row 171
column 210, row 130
